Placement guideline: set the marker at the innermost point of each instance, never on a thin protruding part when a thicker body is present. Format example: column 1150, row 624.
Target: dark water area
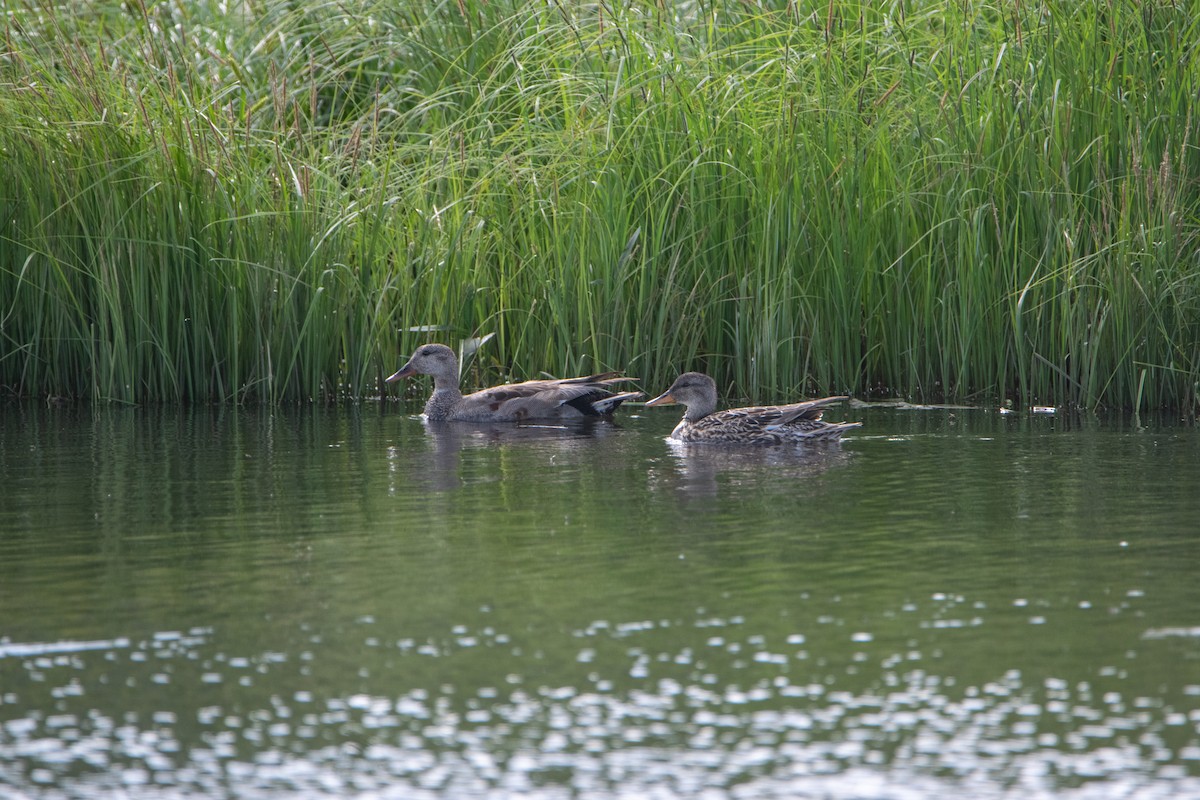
column 350, row 603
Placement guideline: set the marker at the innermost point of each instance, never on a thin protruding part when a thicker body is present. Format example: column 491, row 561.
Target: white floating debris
column 1170, row 633
column 1044, row 409
column 26, row 649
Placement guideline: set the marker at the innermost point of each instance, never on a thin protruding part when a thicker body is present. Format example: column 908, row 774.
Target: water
column 343, row 603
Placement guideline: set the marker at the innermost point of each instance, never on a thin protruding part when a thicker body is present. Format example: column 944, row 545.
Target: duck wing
column 546, row 399
column 603, row 378
column 810, row 411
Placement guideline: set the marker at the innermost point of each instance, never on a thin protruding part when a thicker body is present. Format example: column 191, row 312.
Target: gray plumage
column 553, row 399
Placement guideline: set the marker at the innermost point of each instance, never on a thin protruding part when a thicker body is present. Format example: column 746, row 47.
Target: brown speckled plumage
column 798, row 422
column 565, row 398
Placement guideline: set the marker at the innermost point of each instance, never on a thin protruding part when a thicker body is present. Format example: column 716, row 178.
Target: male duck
column 568, row 398
column 701, row 421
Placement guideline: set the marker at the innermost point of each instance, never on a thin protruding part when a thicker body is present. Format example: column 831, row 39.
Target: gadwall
column 553, row 399
column 701, row 421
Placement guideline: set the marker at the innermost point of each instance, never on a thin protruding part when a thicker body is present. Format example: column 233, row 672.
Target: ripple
column 674, row 738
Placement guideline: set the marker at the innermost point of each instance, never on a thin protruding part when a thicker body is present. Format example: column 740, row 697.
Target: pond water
column 348, row 603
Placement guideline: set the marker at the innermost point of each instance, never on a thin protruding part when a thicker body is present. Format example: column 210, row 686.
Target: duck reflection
column 700, row 470
column 448, row 464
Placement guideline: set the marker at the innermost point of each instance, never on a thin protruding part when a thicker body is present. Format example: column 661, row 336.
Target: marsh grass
column 268, row 201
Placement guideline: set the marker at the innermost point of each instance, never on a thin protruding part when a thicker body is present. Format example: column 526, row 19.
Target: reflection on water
column 351, row 603
column 440, row 469
column 701, row 469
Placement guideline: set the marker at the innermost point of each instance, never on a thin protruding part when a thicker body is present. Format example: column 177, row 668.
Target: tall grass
column 271, row 201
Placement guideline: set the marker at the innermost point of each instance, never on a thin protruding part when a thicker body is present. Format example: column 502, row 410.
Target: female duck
column 701, row 422
column 515, row 402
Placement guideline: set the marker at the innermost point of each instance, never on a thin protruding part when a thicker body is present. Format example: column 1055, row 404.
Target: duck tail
column 607, row 405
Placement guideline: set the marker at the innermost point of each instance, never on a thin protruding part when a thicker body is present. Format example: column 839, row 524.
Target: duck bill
column 404, row 372
column 664, row 399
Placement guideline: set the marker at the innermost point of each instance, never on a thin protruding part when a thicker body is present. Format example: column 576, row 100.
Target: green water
column 346, row 603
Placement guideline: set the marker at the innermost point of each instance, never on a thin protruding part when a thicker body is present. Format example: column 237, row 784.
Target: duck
column 795, row 423
column 553, row 399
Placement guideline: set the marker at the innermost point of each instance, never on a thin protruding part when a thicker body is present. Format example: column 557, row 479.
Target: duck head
column 695, row 390
column 437, row 360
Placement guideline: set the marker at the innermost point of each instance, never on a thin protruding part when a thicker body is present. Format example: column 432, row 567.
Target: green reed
column 273, row 201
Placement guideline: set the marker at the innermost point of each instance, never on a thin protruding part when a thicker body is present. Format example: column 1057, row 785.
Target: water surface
column 348, row 603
